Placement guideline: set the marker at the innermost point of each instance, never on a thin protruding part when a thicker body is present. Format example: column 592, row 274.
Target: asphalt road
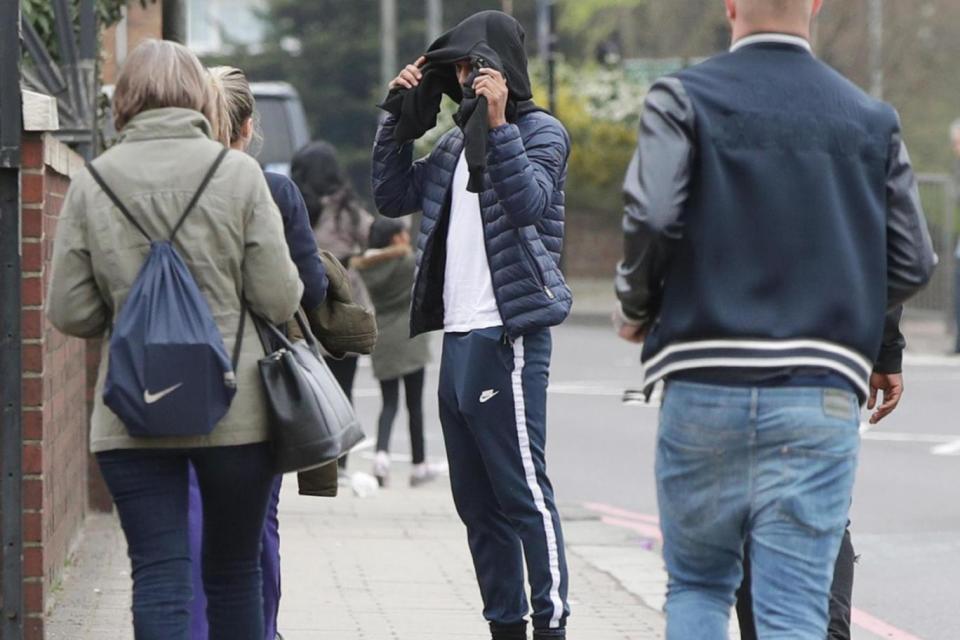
column 906, row 512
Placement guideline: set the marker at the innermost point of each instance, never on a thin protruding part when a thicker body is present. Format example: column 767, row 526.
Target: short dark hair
column 382, row 232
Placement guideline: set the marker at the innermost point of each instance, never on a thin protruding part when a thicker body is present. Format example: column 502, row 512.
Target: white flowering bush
column 607, row 94
column 601, row 110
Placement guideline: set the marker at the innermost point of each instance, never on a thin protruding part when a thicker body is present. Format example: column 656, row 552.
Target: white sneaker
column 381, row 468
column 364, row 485
column 422, row 474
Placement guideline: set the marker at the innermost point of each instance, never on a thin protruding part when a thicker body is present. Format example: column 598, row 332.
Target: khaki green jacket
column 232, row 242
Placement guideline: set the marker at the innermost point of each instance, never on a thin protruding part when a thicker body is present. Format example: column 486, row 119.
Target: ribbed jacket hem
column 231, row 439
column 760, row 354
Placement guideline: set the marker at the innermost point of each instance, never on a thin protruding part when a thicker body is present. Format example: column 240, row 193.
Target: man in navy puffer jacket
column 488, row 275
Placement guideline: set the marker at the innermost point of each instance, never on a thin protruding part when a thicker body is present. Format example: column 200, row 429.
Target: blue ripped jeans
column 774, row 466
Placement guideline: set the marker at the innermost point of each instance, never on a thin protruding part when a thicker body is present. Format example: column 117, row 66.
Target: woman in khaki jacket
column 233, row 245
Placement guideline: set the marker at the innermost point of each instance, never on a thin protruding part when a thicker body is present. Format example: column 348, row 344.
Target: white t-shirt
column 468, row 300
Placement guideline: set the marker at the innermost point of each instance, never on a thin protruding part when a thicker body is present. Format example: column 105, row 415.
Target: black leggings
column 344, row 370
column 413, row 389
column 841, row 595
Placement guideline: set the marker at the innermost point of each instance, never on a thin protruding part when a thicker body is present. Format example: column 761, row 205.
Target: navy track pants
column 493, row 405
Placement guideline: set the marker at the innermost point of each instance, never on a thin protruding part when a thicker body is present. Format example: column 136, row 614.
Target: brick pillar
column 54, row 388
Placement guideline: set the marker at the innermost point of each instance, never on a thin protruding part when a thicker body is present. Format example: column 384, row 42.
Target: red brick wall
column 54, row 395
column 99, row 496
column 593, row 243
column 142, row 23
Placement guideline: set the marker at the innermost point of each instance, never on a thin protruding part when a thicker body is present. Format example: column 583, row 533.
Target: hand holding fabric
column 410, row 76
column 490, row 40
column 491, row 85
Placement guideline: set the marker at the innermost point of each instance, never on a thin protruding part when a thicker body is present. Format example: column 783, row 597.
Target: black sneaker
column 549, row 634
column 508, row 631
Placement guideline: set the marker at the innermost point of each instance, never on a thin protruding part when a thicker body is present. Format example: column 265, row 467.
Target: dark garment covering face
column 489, row 39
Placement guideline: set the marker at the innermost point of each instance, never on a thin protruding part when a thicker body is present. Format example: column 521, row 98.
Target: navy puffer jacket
column 522, row 206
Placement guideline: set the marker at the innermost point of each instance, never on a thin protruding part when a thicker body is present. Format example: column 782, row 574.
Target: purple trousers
column 269, row 562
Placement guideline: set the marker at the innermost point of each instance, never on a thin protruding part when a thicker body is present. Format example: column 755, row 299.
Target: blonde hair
column 159, row 74
column 234, row 102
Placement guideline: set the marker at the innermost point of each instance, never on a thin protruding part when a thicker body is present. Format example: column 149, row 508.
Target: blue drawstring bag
column 169, row 373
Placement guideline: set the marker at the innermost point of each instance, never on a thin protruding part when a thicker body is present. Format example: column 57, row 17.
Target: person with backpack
column 341, row 225
column 235, row 106
column 387, row 269
column 492, row 196
column 162, row 244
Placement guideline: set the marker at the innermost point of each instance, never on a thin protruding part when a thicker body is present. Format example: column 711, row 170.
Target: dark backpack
column 168, row 373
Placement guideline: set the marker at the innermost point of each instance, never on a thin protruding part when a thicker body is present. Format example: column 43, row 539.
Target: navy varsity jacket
column 772, row 220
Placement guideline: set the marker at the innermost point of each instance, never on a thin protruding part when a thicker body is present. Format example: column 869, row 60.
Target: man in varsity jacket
column 488, row 276
column 772, row 222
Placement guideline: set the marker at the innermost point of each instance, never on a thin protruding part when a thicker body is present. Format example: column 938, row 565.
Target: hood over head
column 490, row 39
column 487, row 39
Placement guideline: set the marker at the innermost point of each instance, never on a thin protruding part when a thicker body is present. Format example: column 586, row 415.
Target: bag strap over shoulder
column 190, row 206
column 238, row 343
column 116, row 201
column 203, row 187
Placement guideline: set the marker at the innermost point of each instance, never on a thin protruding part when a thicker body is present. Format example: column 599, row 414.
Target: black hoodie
column 488, row 39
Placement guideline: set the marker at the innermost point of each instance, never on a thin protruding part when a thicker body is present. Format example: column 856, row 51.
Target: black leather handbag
column 312, row 421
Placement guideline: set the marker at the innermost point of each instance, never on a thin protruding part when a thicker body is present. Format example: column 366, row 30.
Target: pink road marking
column 609, row 510
column 646, row 525
column 646, row 530
column 876, row 626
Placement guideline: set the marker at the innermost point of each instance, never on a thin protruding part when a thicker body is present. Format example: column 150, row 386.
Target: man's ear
column 731, row 9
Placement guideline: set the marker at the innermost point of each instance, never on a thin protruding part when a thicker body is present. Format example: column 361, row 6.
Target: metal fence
column 939, row 194
column 11, row 537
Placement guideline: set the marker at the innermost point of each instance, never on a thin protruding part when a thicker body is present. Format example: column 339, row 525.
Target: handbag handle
column 272, row 332
column 307, row 332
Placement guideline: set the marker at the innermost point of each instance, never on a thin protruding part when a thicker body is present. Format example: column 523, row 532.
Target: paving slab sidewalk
column 393, row 566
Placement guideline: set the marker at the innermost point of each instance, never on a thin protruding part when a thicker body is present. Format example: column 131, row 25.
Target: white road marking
column 368, row 443
column 930, row 360
column 612, row 390
column 439, row 465
column 947, row 449
column 920, row 438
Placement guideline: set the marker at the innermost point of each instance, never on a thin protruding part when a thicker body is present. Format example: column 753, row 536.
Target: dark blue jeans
column 149, row 487
column 269, row 563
